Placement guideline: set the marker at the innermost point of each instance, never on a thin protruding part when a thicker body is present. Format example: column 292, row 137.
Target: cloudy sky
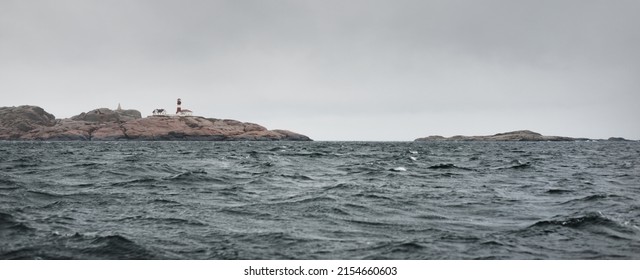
column 335, row 69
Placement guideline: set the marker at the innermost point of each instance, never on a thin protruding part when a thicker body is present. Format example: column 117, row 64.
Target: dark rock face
column 14, row 121
column 619, row 139
column 521, row 135
column 33, row 123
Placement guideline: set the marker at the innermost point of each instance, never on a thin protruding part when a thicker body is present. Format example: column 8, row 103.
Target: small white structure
column 182, row 112
column 185, row 112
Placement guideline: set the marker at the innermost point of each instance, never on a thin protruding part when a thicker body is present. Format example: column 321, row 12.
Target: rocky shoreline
column 520, row 135
column 29, row 123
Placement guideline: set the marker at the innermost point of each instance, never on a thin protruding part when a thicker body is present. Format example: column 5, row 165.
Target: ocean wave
column 137, row 181
column 447, row 166
column 165, row 201
column 7, row 182
column 266, row 245
column 366, row 169
column 576, row 222
column 592, row 198
column 310, row 154
column 134, row 158
column 398, row 169
column 342, row 187
column 521, row 165
column 278, row 149
column 43, row 194
column 22, row 166
column 448, row 175
column 404, row 247
column 592, row 221
column 517, row 165
column 398, row 250
column 371, row 222
column 56, row 205
column 357, row 206
column 297, row 177
column 190, row 176
column 27, row 253
column 443, row 166
column 86, row 164
column 9, row 225
column 374, row 196
column 9, row 188
column 116, row 247
column 558, row 191
column 163, row 220
column 339, row 211
column 431, row 217
column 241, row 211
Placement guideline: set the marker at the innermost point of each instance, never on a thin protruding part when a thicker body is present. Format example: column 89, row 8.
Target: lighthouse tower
column 179, row 109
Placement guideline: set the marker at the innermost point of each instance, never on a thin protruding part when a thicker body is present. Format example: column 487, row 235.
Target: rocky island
column 34, row 123
column 520, row 135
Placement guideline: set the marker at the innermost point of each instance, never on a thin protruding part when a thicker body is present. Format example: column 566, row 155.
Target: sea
column 320, row 200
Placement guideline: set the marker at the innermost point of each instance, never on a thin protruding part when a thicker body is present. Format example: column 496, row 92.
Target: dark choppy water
column 315, row 200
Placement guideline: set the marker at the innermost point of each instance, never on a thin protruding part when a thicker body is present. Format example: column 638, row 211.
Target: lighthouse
column 182, row 112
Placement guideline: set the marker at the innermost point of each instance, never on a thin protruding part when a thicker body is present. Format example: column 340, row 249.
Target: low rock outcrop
column 103, row 115
column 33, row 123
column 618, row 139
column 521, row 135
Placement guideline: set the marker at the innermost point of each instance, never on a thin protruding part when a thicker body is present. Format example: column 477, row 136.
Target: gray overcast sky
column 335, row 70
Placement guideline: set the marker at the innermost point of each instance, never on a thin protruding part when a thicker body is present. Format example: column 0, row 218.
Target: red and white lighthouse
column 179, row 109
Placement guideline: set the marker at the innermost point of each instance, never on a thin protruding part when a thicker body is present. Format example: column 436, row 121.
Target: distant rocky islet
column 520, row 135
column 34, row 123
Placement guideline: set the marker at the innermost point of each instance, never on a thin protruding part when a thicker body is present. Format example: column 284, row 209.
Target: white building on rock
column 182, row 112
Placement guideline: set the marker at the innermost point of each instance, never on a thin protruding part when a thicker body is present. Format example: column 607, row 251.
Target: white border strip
column 158, row 270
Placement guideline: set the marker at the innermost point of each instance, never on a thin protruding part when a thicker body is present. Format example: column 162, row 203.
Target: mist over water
column 319, row 200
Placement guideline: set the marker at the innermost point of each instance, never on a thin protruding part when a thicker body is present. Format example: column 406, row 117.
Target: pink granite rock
column 33, row 123
column 520, row 135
